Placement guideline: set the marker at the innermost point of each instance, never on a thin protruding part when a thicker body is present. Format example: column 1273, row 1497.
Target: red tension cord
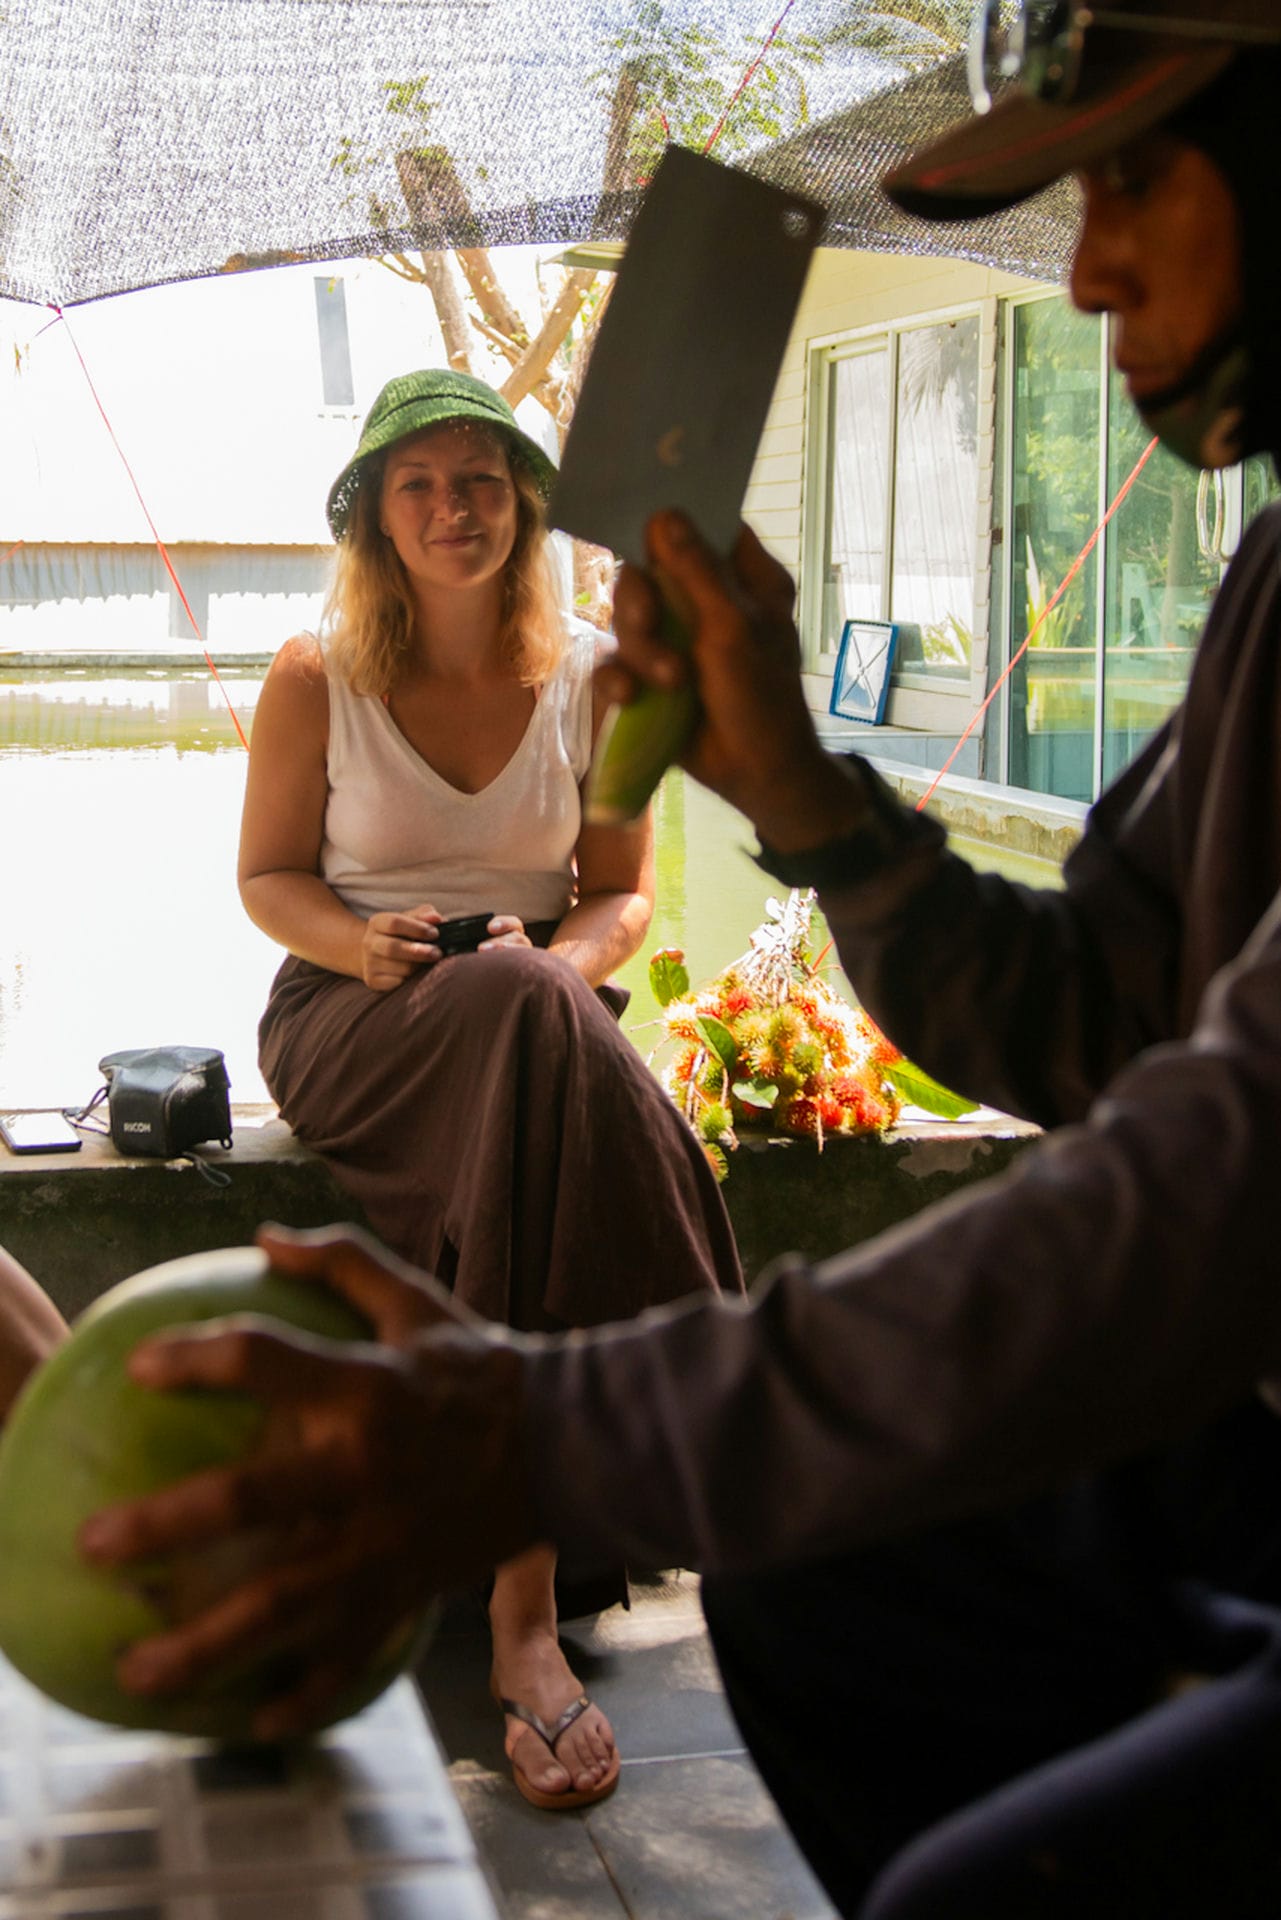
column 770, row 38
column 155, row 532
column 1048, row 608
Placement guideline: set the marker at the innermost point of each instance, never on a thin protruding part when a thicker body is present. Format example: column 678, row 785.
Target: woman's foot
column 570, row 1756
column 561, row 1746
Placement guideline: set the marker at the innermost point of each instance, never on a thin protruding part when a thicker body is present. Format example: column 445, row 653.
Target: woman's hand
column 389, row 1471
column 505, row 930
column 396, row 945
column 756, row 744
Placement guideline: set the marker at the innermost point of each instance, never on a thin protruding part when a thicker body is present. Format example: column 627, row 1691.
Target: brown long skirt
column 498, row 1129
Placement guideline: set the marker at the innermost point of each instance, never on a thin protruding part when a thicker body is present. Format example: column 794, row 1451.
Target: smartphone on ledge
column 44, row 1132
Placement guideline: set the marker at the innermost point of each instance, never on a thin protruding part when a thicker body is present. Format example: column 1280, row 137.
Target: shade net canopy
column 145, row 141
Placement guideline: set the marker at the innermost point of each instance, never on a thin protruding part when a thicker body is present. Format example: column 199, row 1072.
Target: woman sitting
column 422, row 761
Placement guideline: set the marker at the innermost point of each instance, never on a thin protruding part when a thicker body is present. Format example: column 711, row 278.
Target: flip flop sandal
column 549, row 1734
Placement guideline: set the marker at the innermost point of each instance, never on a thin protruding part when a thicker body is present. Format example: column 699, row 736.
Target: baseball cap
column 1072, row 84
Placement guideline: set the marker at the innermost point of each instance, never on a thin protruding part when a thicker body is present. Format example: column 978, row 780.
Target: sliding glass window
column 1163, row 567
column 900, row 492
column 858, row 491
column 1101, row 621
column 1054, row 491
column 936, row 491
column 1108, row 654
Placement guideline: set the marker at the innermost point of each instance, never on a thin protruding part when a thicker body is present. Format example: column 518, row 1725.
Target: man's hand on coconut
column 391, row 1472
column 396, row 1298
column 756, row 744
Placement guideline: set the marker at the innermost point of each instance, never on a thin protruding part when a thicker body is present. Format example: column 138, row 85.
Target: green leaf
column 756, row 1093
column 919, row 1090
column 719, row 1039
column 668, row 976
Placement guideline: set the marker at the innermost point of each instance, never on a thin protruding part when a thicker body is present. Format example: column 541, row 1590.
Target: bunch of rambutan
column 768, row 1045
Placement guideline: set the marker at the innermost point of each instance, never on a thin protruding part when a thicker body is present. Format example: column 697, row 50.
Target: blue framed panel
column 861, row 682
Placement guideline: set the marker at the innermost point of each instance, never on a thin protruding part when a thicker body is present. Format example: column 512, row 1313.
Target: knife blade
column 674, row 402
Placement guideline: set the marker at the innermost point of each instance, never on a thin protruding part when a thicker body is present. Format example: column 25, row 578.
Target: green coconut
column 82, row 1436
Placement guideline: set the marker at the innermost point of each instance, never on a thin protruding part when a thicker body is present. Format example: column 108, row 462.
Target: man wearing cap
column 972, row 1501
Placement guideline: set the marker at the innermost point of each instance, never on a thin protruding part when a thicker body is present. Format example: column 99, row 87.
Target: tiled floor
column 97, row 1823
column 690, row 1833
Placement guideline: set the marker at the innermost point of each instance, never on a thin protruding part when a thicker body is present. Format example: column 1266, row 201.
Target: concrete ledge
column 785, row 1196
column 83, row 1221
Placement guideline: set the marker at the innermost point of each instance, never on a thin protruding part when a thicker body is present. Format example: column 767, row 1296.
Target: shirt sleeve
column 1028, row 999
column 1114, row 1289
column 1111, row 1291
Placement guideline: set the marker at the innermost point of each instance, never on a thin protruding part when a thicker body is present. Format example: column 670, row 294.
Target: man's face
column 1160, row 249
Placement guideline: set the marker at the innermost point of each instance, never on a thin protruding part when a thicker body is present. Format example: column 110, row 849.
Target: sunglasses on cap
column 1041, row 44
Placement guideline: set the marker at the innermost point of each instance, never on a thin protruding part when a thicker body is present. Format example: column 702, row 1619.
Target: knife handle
column 639, row 741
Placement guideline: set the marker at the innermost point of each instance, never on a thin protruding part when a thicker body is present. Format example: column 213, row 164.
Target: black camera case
column 162, row 1101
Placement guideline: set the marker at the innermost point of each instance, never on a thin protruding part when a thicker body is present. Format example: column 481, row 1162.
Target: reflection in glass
column 1053, row 511
column 935, row 495
column 1162, row 556
column 858, row 480
column 1161, row 578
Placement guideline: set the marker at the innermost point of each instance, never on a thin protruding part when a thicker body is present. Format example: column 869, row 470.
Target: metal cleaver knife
column 672, row 408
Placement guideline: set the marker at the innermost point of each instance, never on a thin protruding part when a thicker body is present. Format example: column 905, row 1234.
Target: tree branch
column 549, row 391
column 490, row 297
column 578, row 371
column 418, row 173
column 623, row 109
column 499, row 340
column 532, row 366
column 403, row 268
column 449, row 310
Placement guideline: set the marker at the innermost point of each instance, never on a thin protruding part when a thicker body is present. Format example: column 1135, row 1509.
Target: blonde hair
column 369, row 613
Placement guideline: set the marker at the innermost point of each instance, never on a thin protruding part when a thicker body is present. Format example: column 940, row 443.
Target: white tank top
column 396, row 835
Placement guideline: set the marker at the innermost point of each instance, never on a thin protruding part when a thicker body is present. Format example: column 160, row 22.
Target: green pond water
column 120, row 924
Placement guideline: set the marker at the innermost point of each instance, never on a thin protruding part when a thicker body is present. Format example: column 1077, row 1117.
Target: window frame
column 1001, row 633
column 327, row 348
column 920, row 701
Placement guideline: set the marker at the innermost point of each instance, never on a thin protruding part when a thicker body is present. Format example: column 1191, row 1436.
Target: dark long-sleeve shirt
column 1117, row 1287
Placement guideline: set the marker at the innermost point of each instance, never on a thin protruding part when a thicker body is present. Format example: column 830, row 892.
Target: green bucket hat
column 416, row 400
